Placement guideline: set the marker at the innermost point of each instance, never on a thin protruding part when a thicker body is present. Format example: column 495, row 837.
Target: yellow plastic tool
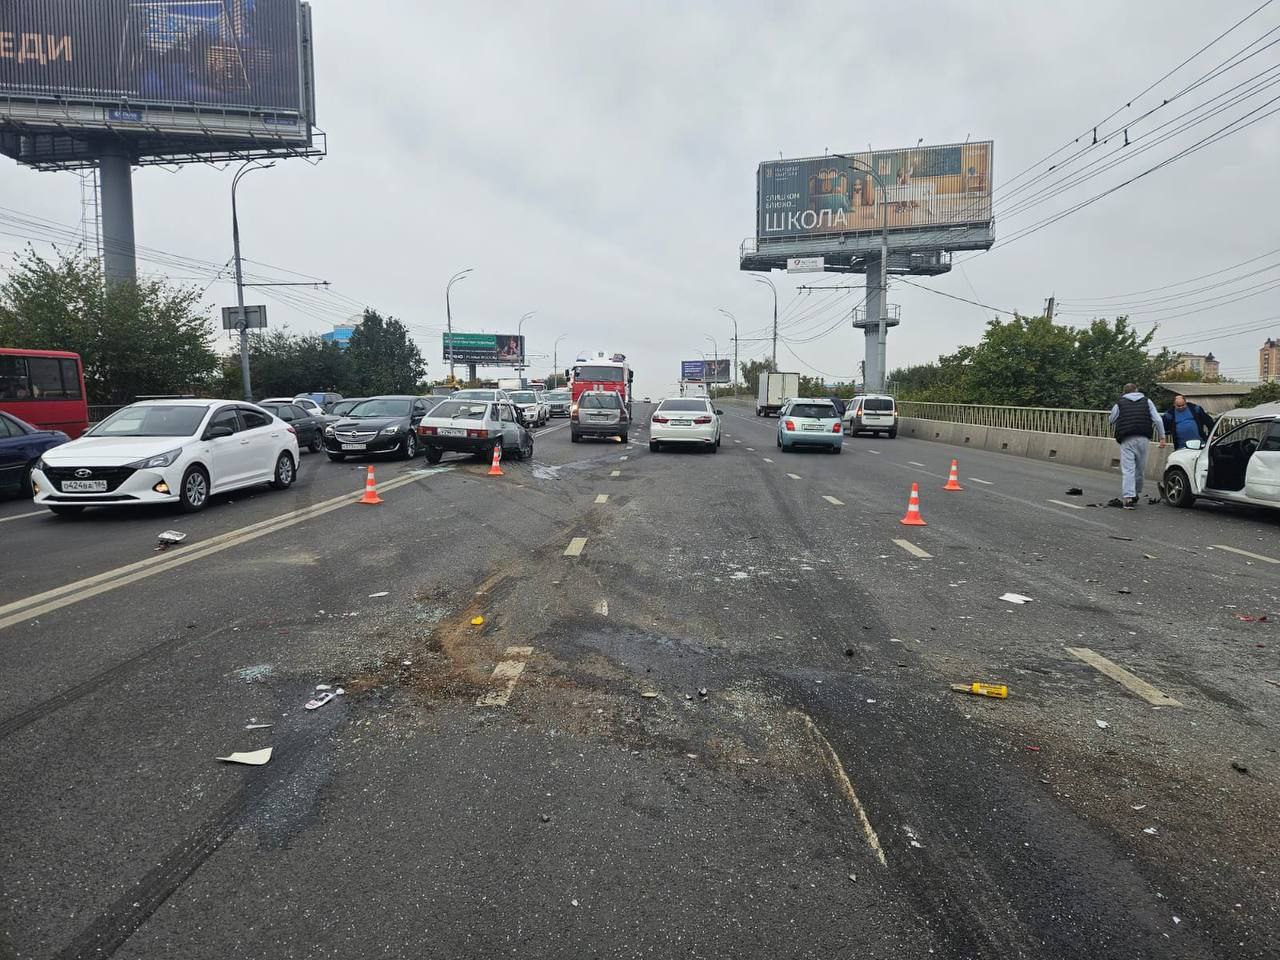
column 998, row 690
column 477, row 621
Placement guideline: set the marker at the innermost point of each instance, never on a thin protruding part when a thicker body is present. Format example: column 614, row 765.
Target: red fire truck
column 613, row 374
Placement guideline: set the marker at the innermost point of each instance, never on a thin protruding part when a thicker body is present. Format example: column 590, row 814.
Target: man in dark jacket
column 1186, row 421
column 1134, row 417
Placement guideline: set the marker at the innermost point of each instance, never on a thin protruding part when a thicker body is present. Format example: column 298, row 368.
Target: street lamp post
column 716, row 369
column 520, row 337
column 245, row 380
column 555, row 355
column 734, row 379
column 759, row 279
column 448, row 312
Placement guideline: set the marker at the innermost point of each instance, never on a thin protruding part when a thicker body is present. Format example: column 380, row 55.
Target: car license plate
column 812, row 426
column 353, row 446
column 452, row 432
column 84, row 486
column 682, row 423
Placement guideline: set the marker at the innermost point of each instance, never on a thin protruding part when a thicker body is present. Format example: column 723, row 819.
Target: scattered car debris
column 1250, row 618
column 649, row 694
column 1147, row 556
column 546, row 818
column 380, row 593
column 1033, row 749
column 1015, row 598
column 1239, row 767
column 1150, row 830
column 253, row 758
column 1124, row 590
column 1274, row 683
column 477, row 621
column 323, row 686
column 997, row 690
column 853, row 877
column 1116, row 536
column 1102, row 724
column 317, row 702
column 1137, row 806
column 1075, row 492
column 702, row 691
column 258, row 726
column 169, row 538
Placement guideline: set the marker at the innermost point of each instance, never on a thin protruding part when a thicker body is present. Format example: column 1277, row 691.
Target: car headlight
column 159, row 460
column 328, row 431
column 391, row 431
column 40, row 465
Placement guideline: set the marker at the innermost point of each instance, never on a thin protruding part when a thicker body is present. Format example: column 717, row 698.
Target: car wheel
column 316, row 445
column 409, row 446
column 434, row 454
column 286, row 472
column 715, row 448
column 1177, row 488
column 893, row 434
column 24, row 482
column 193, row 494
column 837, row 449
column 654, row 446
column 528, row 451
column 337, row 457
column 66, row 511
column 778, row 441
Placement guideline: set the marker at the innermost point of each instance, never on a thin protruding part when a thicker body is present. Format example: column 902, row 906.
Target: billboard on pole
column 485, row 349
column 928, row 186
column 224, row 67
column 706, row 371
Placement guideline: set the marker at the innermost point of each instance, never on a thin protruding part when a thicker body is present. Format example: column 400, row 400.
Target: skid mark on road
column 507, row 673
column 832, row 761
column 1123, row 677
column 912, row 549
column 1245, row 553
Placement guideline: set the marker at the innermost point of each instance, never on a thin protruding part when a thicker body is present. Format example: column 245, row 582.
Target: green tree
column 383, row 357
column 1262, row 393
column 1110, row 354
column 284, row 364
column 751, row 370
column 134, row 338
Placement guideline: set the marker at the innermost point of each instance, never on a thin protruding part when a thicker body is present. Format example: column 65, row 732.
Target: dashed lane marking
column 23, row 516
column 623, row 458
column 615, row 473
column 507, row 672
column 912, row 549
column 766, row 460
column 737, row 441
column 602, row 498
column 836, row 768
column 794, row 476
column 876, row 452
column 833, row 501
column 574, row 549
column 980, row 480
column 1069, row 506
column 914, row 464
column 602, row 607
column 1245, row 553
column 1123, row 677
column 751, row 449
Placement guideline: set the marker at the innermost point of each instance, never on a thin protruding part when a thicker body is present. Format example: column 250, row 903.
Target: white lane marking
column 615, row 473
column 39, row 604
column 602, row 498
column 794, row 476
column 622, row 458
column 602, row 608
column 766, row 460
column 23, row 516
column 751, row 449
column 912, row 549
column 1123, row 677
column 737, row 441
column 846, row 787
column 1069, row 506
column 914, row 464
column 876, row 452
column 574, row 549
column 980, row 480
column 507, row 672
column 1245, row 553
column 833, row 501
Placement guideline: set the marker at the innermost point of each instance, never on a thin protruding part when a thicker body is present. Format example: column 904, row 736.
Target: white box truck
column 774, row 388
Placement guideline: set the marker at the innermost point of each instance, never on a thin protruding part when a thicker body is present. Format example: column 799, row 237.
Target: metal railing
column 100, row 412
column 1076, row 423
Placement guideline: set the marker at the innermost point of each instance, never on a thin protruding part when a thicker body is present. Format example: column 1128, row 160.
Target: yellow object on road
column 998, row 690
column 477, row 621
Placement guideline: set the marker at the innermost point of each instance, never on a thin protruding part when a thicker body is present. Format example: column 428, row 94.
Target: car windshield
column 523, row 396
column 600, row 374
column 600, row 401
column 274, row 408
column 381, row 407
column 817, row 411
column 152, row 421
column 473, row 395
column 460, row 410
column 343, row 407
column 558, row 395
column 878, row 404
column 683, row 406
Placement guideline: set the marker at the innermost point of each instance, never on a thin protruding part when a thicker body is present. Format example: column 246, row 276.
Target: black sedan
column 21, row 445
column 378, row 425
column 309, row 428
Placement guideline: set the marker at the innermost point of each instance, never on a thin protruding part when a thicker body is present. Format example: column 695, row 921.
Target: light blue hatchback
column 810, row 423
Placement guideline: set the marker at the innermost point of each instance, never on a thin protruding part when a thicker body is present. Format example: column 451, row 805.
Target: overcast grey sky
column 595, row 162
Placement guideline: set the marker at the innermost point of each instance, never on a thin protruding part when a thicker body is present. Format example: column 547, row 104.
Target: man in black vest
column 1134, row 417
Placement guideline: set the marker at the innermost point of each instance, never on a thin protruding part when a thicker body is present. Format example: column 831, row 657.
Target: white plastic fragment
column 1015, row 598
column 253, row 758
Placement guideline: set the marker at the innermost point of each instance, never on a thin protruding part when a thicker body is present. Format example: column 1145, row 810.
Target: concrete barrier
column 1092, row 453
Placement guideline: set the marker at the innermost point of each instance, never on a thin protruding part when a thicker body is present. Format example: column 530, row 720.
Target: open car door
column 1262, row 476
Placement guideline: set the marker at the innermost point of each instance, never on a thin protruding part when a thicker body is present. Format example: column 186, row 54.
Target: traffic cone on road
column 913, row 517
column 370, row 489
column 496, row 470
column 953, row 482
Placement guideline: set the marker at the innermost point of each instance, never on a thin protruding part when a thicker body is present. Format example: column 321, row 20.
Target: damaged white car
column 1239, row 463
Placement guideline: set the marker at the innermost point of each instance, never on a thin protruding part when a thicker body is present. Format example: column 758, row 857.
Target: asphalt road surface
column 708, row 713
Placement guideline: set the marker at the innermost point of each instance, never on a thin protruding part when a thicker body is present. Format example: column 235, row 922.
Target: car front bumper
column 379, row 443
column 139, row 487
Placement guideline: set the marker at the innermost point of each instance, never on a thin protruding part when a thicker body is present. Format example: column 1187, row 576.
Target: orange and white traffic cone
column 496, row 470
column 913, row 517
column 370, row 489
column 953, row 482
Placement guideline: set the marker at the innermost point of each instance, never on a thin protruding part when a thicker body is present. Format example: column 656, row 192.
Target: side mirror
column 1194, row 445
column 719, row 413
column 566, row 375
column 218, row 432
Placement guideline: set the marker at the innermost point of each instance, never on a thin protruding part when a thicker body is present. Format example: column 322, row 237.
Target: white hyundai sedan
column 685, row 422
column 167, row 451
column 1240, row 462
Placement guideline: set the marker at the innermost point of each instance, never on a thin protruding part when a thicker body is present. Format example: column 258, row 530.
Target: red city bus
column 44, row 388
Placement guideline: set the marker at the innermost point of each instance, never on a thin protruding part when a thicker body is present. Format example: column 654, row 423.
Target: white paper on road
column 254, row 758
column 1016, row 598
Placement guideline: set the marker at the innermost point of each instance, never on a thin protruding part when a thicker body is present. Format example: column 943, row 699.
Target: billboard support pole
column 119, row 263
column 876, row 376
column 246, row 382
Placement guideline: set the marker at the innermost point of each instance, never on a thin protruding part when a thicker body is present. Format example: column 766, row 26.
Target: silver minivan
column 872, row 413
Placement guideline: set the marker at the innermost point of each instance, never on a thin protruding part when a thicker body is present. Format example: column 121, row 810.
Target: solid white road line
column 794, row 476
column 615, row 473
column 602, row 498
column 507, row 672
column 980, row 480
column 833, row 501
column 1069, row 506
column 1245, row 553
column 912, row 549
column 832, row 760
column 574, row 549
column 1123, row 677
column 23, row 516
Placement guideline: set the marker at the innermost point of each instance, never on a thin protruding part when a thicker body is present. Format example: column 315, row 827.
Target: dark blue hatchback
column 21, row 445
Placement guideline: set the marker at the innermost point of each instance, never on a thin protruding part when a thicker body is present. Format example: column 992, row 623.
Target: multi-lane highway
column 708, row 713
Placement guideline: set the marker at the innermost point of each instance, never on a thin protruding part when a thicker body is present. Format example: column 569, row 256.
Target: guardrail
column 1075, row 423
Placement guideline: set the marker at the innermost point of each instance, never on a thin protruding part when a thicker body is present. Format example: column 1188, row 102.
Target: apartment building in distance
column 1204, row 365
column 1269, row 360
